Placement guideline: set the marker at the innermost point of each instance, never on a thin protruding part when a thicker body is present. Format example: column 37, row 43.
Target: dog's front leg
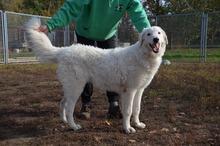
column 127, row 103
column 136, row 109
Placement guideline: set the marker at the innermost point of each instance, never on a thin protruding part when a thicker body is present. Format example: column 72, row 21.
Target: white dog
column 127, row 71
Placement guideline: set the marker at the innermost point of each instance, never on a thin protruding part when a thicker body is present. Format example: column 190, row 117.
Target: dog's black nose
column 156, row 40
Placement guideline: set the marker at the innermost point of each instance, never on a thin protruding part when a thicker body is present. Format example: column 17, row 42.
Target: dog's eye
column 159, row 33
column 148, row 34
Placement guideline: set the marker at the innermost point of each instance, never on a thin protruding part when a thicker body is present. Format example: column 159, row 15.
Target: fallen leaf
column 182, row 114
column 175, row 129
column 186, row 124
column 177, row 135
column 164, row 130
column 107, row 123
column 132, row 141
column 153, row 132
column 97, row 139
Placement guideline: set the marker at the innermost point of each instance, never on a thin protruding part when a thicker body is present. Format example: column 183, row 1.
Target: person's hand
column 44, row 29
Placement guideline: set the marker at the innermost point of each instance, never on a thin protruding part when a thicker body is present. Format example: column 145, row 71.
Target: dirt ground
column 29, row 104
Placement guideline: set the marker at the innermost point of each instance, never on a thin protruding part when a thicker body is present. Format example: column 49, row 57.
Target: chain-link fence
column 16, row 48
column 212, row 53
column 192, row 37
column 1, row 38
column 184, row 35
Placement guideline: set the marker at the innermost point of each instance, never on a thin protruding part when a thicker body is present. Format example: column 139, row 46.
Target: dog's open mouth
column 155, row 47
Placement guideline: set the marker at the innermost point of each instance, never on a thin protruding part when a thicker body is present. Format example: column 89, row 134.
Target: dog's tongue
column 155, row 48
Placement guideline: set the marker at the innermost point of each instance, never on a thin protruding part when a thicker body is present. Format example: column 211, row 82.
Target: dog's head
column 154, row 39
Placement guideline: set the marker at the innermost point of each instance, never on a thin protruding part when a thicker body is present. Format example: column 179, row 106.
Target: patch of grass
column 21, row 54
column 181, row 108
column 177, row 55
column 28, row 67
column 213, row 55
column 200, row 82
column 192, row 55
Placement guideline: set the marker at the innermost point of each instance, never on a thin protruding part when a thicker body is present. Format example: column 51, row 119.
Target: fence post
column 5, row 37
column 205, row 35
column 203, row 45
column 67, row 36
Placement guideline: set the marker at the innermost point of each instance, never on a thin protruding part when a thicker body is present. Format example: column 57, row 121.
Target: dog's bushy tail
column 39, row 42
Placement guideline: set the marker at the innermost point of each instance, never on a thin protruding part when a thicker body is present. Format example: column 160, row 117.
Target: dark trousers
column 88, row 89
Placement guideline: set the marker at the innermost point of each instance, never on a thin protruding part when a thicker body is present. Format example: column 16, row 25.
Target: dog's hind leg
column 63, row 110
column 127, row 103
column 69, row 112
column 136, row 109
column 71, row 94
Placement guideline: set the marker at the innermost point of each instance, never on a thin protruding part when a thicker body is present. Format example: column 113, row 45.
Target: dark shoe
column 114, row 112
column 85, row 111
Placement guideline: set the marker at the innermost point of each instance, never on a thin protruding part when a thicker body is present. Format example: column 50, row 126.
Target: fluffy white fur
column 127, row 71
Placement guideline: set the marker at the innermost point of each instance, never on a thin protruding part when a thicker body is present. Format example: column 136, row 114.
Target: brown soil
column 29, row 104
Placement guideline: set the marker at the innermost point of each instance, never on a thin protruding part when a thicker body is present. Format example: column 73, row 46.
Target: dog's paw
column 140, row 125
column 130, row 130
column 76, row 127
column 64, row 119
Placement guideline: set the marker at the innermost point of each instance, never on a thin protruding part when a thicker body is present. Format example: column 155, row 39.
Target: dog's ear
column 165, row 36
column 141, row 37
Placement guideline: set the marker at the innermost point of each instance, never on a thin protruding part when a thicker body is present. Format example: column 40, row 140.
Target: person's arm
column 66, row 14
column 138, row 15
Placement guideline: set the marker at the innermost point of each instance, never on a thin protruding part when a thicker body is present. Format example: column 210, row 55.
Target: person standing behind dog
column 96, row 23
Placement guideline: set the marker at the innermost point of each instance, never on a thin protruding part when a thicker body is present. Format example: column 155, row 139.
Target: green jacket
column 98, row 19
